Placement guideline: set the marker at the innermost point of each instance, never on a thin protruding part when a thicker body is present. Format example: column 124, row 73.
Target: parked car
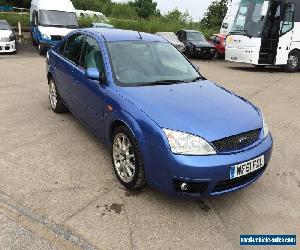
column 196, row 44
column 102, row 25
column 219, row 42
column 166, row 124
column 51, row 21
column 172, row 38
column 7, row 38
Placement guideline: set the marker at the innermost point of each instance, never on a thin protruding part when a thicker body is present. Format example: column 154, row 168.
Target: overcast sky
column 195, row 7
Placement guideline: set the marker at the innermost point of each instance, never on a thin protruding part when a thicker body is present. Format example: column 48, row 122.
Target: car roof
column 114, row 35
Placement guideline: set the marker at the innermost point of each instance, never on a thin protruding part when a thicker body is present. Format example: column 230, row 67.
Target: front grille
column 236, row 142
column 56, row 38
column 230, row 184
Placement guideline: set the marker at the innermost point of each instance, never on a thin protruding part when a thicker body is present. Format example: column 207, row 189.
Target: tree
column 123, row 11
column 145, row 8
column 176, row 16
column 215, row 14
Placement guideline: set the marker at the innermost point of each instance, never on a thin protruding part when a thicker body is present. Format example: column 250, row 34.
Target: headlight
column 187, row 144
column 45, row 36
column 266, row 130
column 12, row 37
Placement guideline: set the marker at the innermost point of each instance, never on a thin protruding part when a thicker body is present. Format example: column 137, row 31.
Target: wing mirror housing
column 95, row 74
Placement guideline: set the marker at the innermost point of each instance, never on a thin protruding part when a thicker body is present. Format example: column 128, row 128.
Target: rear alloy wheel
column 127, row 159
column 293, row 63
column 55, row 101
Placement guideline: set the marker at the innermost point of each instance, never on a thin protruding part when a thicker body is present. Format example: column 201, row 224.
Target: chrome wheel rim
column 52, row 95
column 123, row 157
column 293, row 61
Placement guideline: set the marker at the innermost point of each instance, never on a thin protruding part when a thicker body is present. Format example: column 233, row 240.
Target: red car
column 219, row 42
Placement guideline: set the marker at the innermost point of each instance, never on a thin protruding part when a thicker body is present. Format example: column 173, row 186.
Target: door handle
column 75, row 82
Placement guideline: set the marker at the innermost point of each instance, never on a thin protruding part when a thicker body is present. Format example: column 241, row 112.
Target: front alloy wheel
column 127, row 159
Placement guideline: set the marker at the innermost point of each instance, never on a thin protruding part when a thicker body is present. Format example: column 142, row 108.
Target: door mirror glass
column 93, row 74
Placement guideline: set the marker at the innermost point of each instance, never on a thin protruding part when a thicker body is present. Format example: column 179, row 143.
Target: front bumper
column 8, row 47
column 204, row 52
column 208, row 174
column 242, row 55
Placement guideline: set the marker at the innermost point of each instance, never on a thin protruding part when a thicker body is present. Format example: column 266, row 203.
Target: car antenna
column 140, row 36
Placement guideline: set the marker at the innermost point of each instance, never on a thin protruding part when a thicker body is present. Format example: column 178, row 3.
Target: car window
column 217, row 40
column 73, row 48
column 212, row 38
column 91, row 55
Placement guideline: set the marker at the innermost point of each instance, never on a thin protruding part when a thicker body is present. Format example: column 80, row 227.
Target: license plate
column 246, row 167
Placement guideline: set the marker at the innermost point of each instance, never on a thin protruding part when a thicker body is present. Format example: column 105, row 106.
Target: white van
column 51, row 20
column 266, row 33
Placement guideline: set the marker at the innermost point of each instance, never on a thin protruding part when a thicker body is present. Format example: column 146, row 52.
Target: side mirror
column 93, row 74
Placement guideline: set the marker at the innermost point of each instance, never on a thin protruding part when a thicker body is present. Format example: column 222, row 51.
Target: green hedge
column 152, row 25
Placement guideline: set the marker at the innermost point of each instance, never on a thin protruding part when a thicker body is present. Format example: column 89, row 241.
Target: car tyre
column 127, row 159
column 293, row 64
column 55, row 100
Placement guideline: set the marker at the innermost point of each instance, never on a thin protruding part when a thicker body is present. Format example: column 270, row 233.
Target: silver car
column 172, row 38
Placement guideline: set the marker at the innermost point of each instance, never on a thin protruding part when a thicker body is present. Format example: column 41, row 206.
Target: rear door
column 71, row 57
column 286, row 34
column 91, row 93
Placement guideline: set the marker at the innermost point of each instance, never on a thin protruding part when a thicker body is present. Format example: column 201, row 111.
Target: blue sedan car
column 165, row 123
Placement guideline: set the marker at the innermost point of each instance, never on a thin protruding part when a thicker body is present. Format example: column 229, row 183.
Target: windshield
column 56, row 18
column 250, row 17
column 195, row 36
column 4, row 26
column 144, row 63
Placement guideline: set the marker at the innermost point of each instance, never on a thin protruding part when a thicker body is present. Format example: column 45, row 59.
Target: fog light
column 183, row 186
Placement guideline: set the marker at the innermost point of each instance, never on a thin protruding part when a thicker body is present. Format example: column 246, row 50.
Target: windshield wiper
column 198, row 78
column 163, row 82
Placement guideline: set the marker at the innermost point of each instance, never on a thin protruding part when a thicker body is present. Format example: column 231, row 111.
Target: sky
column 196, row 8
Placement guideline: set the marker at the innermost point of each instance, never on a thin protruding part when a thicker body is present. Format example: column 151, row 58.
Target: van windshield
column 56, row 18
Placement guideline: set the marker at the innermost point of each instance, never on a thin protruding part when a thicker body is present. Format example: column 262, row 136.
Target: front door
column 90, row 93
column 286, row 34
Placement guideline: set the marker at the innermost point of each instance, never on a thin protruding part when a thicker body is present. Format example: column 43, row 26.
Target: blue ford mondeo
column 165, row 123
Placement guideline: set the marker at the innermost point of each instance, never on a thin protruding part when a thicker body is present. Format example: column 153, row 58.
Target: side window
column 217, row 40
column 91, row 55
column 73, row 48
column 212, row 39
column 62, row 48
column 288, row 18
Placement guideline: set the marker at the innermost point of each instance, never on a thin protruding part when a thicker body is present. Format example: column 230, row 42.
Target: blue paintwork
column 37, row 37
column 201, row 108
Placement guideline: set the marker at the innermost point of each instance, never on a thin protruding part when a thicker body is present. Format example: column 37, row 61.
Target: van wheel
column 33, row 41
column 41, row 49
column 55, row 100
column 127, row 159
column 293, row 63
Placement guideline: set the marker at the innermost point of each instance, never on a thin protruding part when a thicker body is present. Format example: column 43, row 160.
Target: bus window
column 288, row 18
